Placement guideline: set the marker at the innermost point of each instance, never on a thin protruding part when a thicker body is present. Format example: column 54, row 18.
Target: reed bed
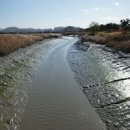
column 12, row 42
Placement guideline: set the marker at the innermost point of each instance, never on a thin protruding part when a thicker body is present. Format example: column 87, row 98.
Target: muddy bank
column 16, row 71
column 104, row 77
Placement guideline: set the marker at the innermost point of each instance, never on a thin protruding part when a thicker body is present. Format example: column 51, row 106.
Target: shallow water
column 55, row 100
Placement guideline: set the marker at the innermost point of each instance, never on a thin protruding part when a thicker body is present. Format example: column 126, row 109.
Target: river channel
column 59, row 85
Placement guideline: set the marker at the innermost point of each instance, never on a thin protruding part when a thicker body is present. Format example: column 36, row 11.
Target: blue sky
column 52, row 13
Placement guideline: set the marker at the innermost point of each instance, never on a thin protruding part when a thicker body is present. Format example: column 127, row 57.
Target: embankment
column 104, row 78
column 16, row 72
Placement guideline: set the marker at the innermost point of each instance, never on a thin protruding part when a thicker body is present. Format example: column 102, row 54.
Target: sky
column 53, row 13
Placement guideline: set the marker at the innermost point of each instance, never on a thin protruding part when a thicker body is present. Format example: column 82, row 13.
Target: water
column 55, row 100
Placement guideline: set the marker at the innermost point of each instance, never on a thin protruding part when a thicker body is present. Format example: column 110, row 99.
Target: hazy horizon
column 37, row 28
column 50, row 14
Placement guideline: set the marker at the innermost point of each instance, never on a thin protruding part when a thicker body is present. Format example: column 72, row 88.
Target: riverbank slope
column 104, row 78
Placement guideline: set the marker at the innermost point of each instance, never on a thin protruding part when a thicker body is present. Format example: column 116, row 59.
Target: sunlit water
column 94, row 70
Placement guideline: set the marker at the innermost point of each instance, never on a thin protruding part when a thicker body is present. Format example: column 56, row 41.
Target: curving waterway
column 61, row 84
column 56, row 101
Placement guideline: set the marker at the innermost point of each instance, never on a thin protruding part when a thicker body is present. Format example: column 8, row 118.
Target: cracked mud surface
column 105, row 79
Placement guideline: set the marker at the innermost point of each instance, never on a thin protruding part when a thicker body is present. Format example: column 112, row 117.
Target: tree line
column 110, row 27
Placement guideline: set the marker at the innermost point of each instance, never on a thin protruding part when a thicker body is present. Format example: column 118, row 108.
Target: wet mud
column 105, row 79
column 16, row 71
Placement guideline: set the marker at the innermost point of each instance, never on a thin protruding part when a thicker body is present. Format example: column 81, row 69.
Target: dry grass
column 12, row 42
column 120, row 45
column 120, row 42
column 115, row 40
column 101, row 37
column 96, row 39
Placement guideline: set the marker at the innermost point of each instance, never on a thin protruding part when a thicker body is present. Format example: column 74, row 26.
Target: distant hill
column 10, row 29
column 23, row 30
column 32, row 30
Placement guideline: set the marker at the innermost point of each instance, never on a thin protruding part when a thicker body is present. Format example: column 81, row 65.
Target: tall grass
column 116, row 40
column 12, row 42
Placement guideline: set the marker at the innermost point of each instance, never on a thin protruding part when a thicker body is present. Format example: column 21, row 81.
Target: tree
column 112, row 27
column 93, row 27
column 125, row 24
column 102, row 27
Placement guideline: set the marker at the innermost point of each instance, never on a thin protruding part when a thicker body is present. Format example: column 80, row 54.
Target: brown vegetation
column 116, row 40
column 12, row 42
